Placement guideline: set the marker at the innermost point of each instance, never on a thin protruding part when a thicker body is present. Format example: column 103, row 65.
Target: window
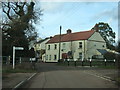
column 55, row 57
column 80, row 55
column 48, row 47
column 50, row 57
column 55, row 46
column 80, row 44
column 63, row 45
column 46, row 57
column 103, row 46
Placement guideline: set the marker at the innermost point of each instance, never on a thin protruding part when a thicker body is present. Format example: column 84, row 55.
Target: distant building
column 39, row 48
column 78, row 46
column 32, row 42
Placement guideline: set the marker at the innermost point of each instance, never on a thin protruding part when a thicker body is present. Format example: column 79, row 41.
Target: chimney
column 50, row 37
column 69, row 31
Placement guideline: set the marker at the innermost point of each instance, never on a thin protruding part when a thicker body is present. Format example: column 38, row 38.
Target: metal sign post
column 13, row 57
column 15, row 48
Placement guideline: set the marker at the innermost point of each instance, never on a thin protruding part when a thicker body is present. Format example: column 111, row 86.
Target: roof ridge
column 76, row 32
column 83, row 35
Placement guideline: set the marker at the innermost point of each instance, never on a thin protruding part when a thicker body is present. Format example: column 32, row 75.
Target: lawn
column 20, row 68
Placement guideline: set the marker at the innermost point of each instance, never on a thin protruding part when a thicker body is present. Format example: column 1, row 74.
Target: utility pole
column 60, row 42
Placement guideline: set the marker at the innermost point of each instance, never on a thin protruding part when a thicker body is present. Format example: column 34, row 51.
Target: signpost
column 15, row 48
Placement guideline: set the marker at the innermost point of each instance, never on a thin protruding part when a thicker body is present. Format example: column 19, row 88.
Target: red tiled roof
column 84, row 35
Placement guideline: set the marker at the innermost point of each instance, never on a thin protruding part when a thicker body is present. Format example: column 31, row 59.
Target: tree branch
column 7, row 12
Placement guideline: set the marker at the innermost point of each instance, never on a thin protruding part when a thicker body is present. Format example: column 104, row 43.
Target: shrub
column 109, row 56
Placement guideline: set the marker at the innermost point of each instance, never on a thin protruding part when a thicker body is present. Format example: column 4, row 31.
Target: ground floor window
column 80, row 55
column 50, row 57
column 55, row 57
column 46, row 57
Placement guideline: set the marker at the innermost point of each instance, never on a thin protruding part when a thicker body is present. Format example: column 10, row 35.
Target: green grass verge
column 18, row 71
column 19, row 68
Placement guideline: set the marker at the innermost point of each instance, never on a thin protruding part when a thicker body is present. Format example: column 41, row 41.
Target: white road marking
column 19, row 84
column 99, row 76
column 23, row 81
column 31, row 76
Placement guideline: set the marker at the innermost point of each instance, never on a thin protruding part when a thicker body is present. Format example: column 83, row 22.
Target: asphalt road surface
column 52, row 76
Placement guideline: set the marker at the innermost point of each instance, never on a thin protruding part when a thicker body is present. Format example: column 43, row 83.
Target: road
column 52, row 76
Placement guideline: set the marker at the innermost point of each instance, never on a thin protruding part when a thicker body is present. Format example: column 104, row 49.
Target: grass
column 20, row 68
column 18, row 71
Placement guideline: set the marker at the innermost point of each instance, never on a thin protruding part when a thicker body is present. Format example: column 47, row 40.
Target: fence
column 89, row 62
column 8, row 60
column 20, row 63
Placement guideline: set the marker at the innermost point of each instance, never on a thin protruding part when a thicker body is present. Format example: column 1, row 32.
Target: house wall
column 95, row 42
column 54, row 51
column 74, row 46
column 40, row 46
column 76, row 50
column 89, row 48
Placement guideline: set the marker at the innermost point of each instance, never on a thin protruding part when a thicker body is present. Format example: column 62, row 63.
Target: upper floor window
column 55, row 46
column 80, row 44
column 63, row 45
column 48, row 47
column 103, row 46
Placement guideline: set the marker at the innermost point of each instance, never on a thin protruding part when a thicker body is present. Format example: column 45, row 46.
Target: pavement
column 52, row 76
column 13, row 80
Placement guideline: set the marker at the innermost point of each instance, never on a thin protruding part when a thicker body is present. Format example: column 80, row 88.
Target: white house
column 39, row 48
column 78, row 45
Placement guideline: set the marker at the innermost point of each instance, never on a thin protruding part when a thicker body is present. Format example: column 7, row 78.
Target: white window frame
column 55, row 46
column 80, row 45
column 46, row 57
column 80, row 56
column 48, row 47
column 63, row 46
column 49, row 57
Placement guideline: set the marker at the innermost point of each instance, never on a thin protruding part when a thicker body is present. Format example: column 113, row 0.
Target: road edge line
column 23, row 81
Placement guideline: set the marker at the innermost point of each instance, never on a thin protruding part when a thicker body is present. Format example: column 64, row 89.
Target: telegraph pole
column 60, row 42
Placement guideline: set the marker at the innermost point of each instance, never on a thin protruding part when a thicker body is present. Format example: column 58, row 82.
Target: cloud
column 50, row 6
column 113, row 14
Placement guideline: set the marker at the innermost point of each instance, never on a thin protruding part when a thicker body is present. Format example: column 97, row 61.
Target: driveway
column 52, row 76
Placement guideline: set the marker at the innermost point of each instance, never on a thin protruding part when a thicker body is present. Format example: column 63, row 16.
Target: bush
column 109, row 56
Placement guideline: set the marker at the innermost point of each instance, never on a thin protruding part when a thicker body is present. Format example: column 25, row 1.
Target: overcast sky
column 78, row 16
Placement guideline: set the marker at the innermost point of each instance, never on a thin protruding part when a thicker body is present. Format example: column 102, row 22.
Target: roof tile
column 84, row 35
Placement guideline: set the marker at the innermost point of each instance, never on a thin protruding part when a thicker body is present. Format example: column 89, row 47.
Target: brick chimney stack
column 51, row 37
column 69, row 31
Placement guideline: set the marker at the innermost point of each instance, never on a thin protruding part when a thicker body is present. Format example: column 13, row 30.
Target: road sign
column 19, row 48
column 15, row 48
